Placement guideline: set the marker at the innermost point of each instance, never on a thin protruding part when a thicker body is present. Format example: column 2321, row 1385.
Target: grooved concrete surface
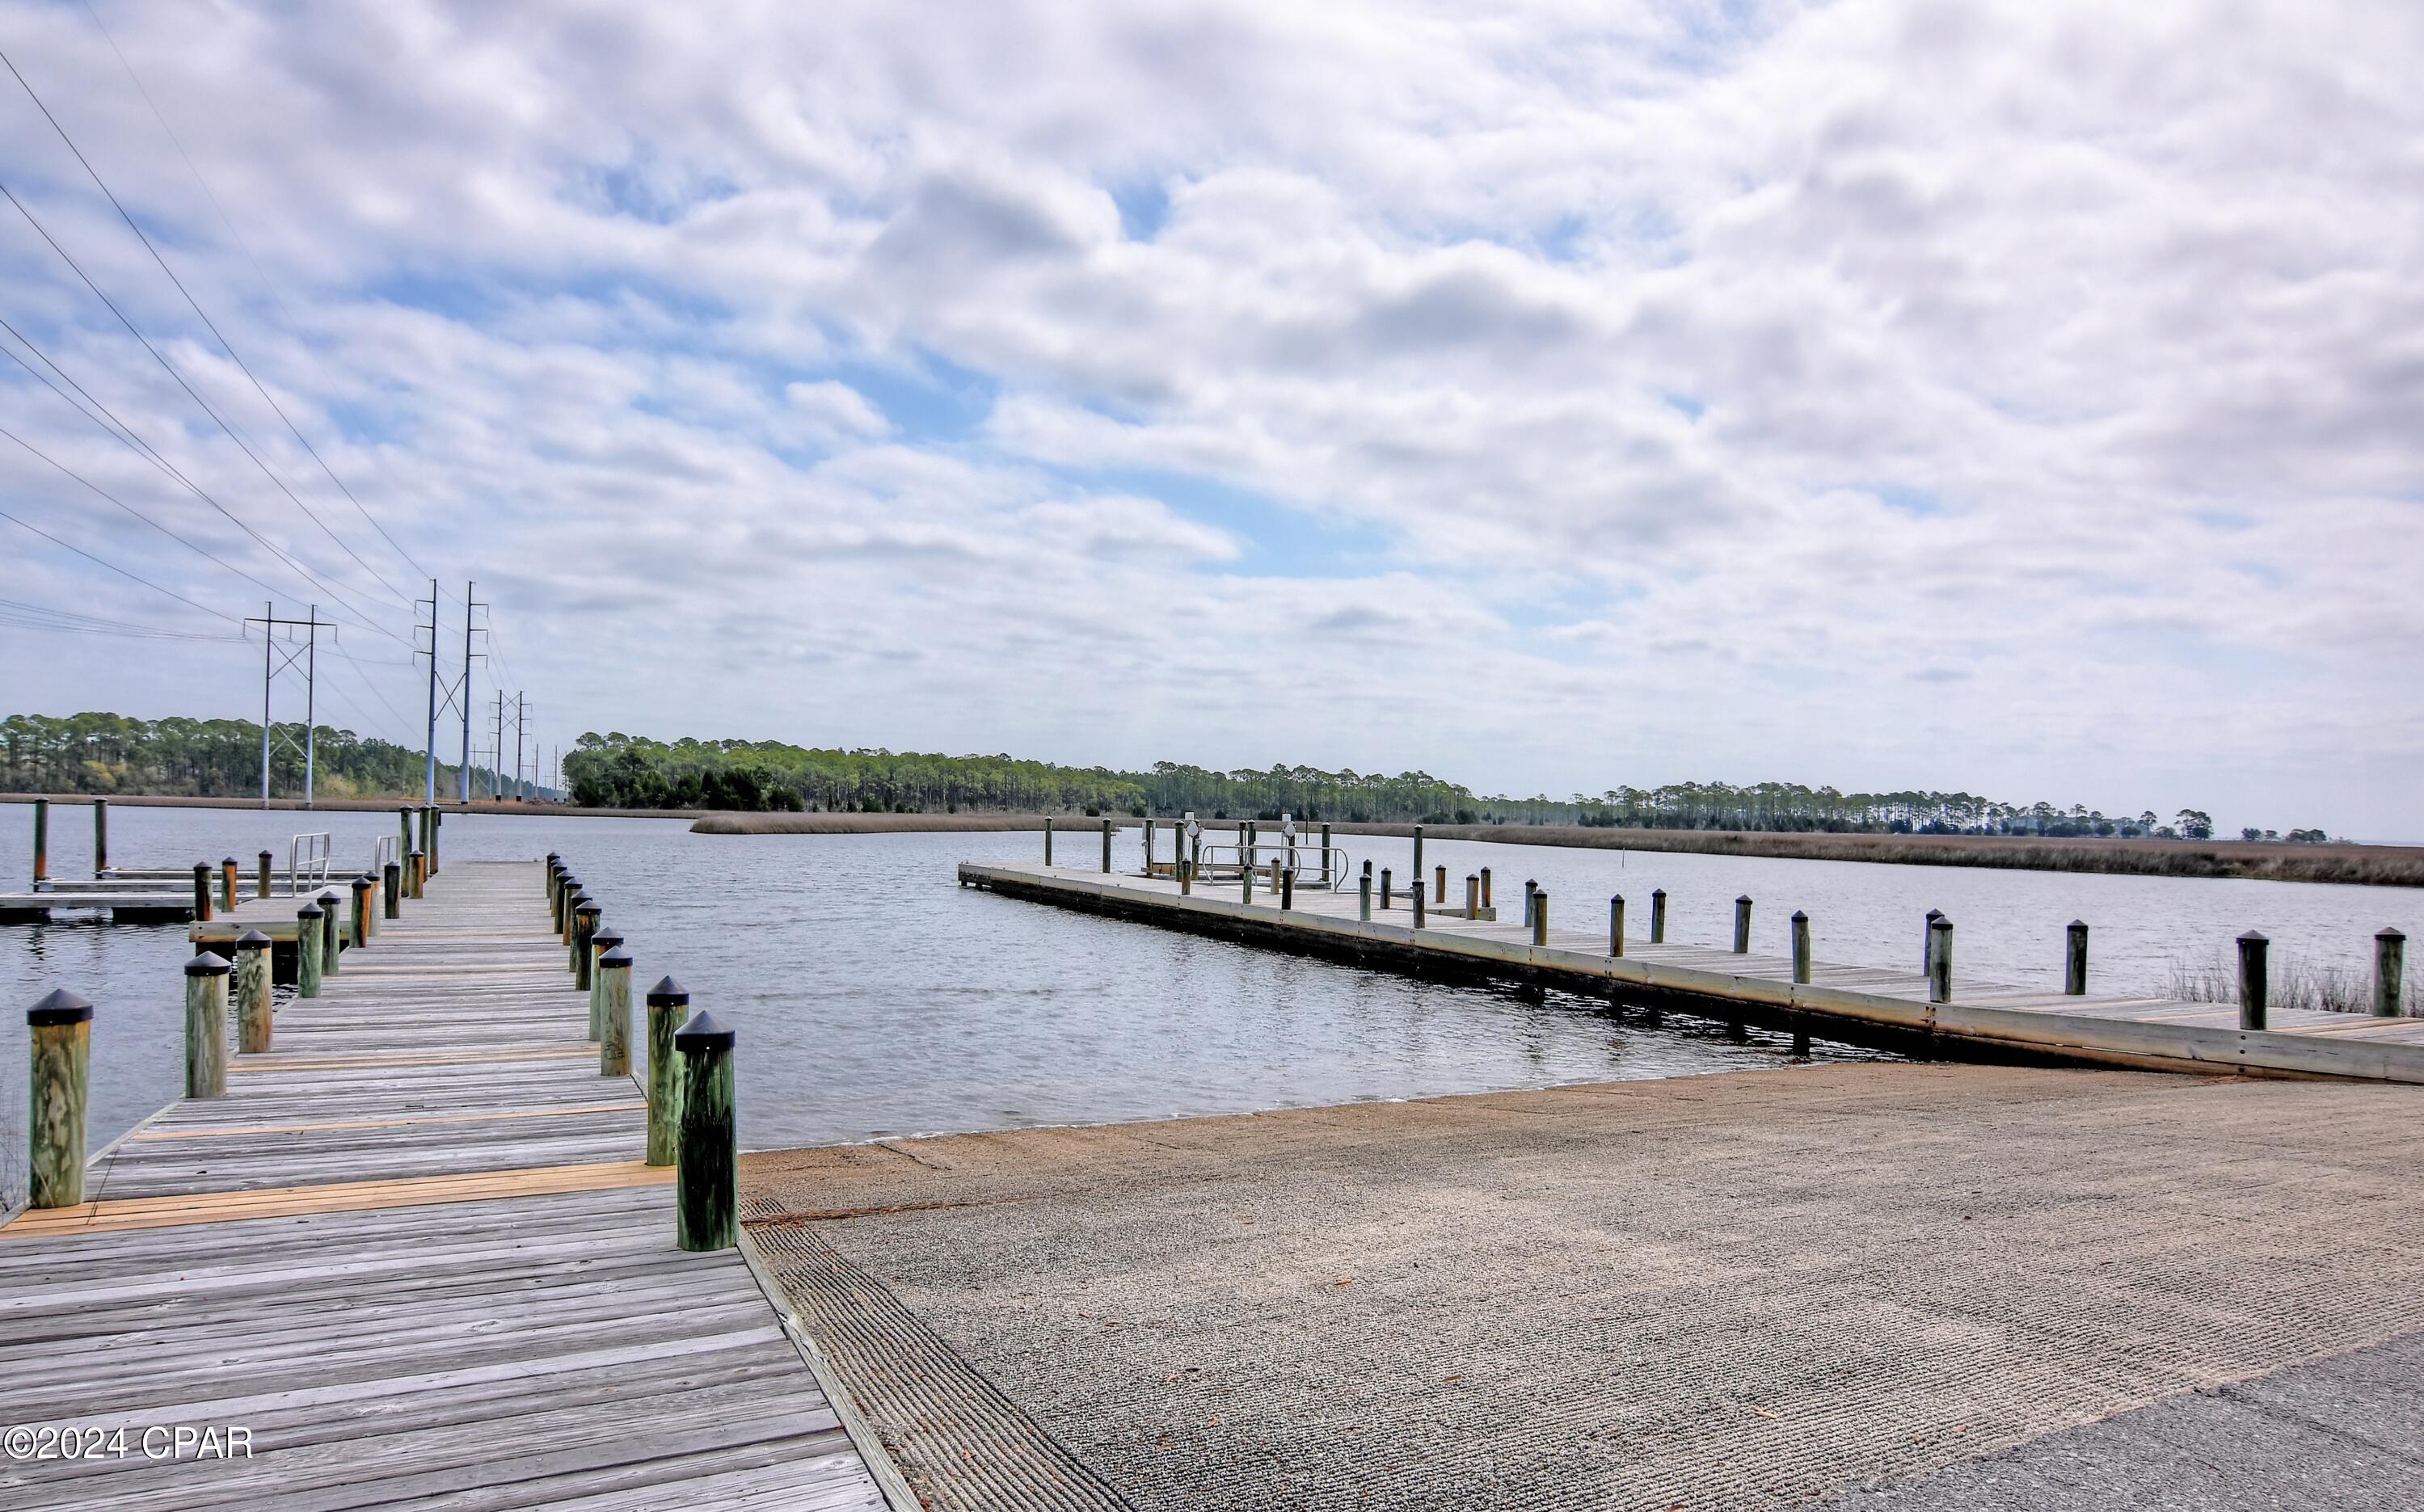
column 1762, row 1289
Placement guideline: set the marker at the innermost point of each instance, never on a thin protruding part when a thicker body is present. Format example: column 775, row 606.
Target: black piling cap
column 617, row 957
column 252, row 940
column 201, row 868
column 415, row 851
column 2078, row 924
column 1800, row 918
column 264, row 856
column 604, row 940
column 702, row 1033
column 552, row 855
column 331, row 894
column 310, row 911
column 584, row 905
column 395, row 865
column 1658, row 892
column 228, row 862
column 668, row 992
column 1939, row 921
column 1743, row 898
column 61, row 1006
column 2389, row 932
column 2251, row 937
column 207, row 964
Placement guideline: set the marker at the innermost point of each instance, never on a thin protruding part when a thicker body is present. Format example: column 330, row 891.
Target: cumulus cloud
column 2013, row 396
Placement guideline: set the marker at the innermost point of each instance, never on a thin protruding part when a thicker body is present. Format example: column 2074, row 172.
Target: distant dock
column 1860, row 1004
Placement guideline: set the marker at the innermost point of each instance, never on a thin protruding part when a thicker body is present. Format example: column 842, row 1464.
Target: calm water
column 875, row 996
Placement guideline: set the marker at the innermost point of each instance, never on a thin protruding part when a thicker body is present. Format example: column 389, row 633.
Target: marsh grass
column 2296, row 982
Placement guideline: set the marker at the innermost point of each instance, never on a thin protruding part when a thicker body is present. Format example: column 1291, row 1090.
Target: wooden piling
column 601, row 941
column 361, row 911
column 332, row 933
column 1616, row 925
column 227, row 884
column 566, row 895
column 41, row 839
column 99, row 836
column 1288, row 887
column 252, row 1001
column 1539, row 918
column 1439, row 885
column 1416, row 874
column 267, row 865
column 307, row 950
column 1416, row 895
column 1473, row 895
column 1927, row 943
column 1741, row 925
column 1658, row 916
column 707, row 1186
column 2254, row 990
column 1328, row 875
column 1148, row 847
column 2074, row 960
column 1186, row 870
column 1800, row 950
column 206, row 1024
column 1531, row 891
column 391, row 890
column 1047, row 839
column 202, row 892
column 1486, row 901
column 435, row 816
column 1107, row 848
column 668, row 1005
column 1939, row 960
column 403, row 822
column 61, row 1027
column 1364, row 892
column 1245, row 874
column 2389, row 973
column 615, row 1012
column 414, row 875
column 1388, row 886
column 584, row 924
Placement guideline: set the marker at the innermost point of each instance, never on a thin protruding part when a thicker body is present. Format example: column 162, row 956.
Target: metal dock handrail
column 306, row 858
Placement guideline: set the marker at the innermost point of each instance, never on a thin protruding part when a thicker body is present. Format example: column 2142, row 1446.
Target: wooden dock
column 414, row 1255
column 1858, row 1003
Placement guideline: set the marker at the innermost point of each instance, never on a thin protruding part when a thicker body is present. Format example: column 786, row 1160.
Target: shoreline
column 2364, row 866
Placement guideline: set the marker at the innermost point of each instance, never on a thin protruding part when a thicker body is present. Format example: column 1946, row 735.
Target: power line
column 115, row 567
column 43, row 618
column 268, row 287
column 129, row 508
column 125, row 434
column 191, row 392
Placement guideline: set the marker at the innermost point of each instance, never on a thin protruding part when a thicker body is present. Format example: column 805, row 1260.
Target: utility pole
column 429, row 770
column 271, row 665
column 310, row 693
column 496, row 753
column 520, row 796
column 463, row 704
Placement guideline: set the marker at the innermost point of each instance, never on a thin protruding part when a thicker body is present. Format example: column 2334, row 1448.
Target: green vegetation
column 109, row 753
column 619, row 771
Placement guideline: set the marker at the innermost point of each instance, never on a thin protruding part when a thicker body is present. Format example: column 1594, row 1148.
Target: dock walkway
column 2151, row 1032
column 415, row 1255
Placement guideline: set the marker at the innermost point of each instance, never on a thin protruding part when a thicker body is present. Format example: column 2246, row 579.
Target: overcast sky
column 2022, row 398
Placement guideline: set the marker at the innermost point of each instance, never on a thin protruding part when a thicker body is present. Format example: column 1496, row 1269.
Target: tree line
column 110, row 753
column 619, row 771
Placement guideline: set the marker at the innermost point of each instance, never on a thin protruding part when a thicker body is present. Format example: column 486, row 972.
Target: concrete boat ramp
column 1862, row 1004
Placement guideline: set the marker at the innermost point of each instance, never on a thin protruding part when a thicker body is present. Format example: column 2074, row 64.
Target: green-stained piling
column 252, row 1000
column 706, row 1187
column 668, row 1005
column 61, row 1027
column 307, row 949
column 206, row 1025
column 615, row 1012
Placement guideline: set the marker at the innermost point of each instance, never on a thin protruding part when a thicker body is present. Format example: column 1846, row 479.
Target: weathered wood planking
column 415, row 1251
column 2111, row 1029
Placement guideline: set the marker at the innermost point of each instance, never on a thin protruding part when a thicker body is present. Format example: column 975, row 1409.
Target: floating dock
column 415, row 1256
column 1861, row 1004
